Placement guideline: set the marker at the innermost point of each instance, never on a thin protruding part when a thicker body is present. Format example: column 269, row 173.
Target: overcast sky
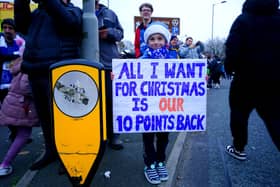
column 195, row 15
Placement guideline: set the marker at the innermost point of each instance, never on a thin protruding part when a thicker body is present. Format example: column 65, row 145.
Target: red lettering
column 171, row 104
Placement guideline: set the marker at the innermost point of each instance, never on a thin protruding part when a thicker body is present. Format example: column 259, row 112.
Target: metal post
column 90, row 42
column 212, row 31
column 213, row 10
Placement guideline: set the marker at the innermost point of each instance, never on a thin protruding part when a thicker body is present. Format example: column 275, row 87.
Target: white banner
column 159, row 95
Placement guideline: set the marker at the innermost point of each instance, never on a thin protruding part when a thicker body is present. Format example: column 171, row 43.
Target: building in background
column 172, row 23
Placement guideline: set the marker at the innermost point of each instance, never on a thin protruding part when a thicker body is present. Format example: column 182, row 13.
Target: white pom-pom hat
column 157, row 28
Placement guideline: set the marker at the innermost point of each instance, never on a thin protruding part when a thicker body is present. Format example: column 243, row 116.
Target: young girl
column 156, row 37
column 19, row 111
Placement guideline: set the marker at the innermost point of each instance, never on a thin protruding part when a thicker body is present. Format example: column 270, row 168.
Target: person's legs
column 149, row 148
column 241, row 101
column 41, row 93
column 114, row 139
column 241, row 105
column 162, row 142
column 13, row 132
column 216, row 79
column 239, row 128
column 149, row 156
column 210, row 81
column 23, row 133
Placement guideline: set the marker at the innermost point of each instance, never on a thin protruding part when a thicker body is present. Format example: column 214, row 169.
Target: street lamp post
column 213, row 10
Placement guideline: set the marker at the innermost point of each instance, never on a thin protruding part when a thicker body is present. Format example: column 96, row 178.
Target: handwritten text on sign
column 158, row 95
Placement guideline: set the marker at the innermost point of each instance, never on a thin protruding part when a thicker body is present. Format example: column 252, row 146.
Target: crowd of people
column 26, row 55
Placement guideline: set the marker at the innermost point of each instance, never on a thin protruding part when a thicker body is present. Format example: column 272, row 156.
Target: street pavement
column 195, row 159
column 204, row 162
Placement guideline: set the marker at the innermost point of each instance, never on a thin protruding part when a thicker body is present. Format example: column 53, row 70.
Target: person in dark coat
column 53, row 33
column 110, row 32
column 252, row 53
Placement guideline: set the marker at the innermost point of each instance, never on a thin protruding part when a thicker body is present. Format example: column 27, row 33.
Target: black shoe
column 115, row 142
column 240, row 155
column 116, row 146
column 29, row 140
column 12, row 137
column 13, row 133
column 46, row 160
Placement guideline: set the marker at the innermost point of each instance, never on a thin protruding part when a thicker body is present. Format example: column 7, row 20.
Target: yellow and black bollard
column 79, row 117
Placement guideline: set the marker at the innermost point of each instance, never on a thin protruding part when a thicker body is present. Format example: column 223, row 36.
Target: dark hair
column 173, row 36
column 8, row 21
column 146, row 5
column 189, row 38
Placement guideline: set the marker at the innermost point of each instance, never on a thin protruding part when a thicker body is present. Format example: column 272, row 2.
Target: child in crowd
column 156, row 36
column 19, row 111
column 174, row 47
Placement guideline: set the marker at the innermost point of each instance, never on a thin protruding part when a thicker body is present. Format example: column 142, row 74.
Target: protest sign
column 159, row 95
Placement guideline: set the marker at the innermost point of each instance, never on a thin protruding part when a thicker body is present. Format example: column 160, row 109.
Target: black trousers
column 154, row 153
column 109, row 104
column 3, row 94
column 244, row 97
column 40, row 85
column 13, row 129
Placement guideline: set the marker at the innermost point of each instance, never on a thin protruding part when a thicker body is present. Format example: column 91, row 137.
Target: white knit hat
column 157, row 28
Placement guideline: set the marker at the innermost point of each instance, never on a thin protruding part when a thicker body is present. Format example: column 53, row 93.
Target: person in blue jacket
column 174, row 47
column 53, row 33
column 157, row 37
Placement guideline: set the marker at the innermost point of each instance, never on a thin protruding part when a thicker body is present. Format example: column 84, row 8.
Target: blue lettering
column 190, row 70
column 124, row 71
column 171, row 122
column 181, row 71
column 154, row 65
column 180, row 124
column 199, row 122
column 170, row 73
column 127, row 123
column 201, row 87
column 139, row 121
column 139, row 75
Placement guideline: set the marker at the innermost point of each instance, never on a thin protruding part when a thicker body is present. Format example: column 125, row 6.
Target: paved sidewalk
column 126, row 166
column 194, row 159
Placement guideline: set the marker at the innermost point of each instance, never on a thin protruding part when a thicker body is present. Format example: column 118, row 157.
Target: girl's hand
column 112, row 76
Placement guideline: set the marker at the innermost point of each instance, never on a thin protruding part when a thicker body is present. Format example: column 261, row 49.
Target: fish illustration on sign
column 73, row 93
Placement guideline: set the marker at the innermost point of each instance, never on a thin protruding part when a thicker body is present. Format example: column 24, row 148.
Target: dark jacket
column 107, row 19
column 252, row 47
column 53, row 33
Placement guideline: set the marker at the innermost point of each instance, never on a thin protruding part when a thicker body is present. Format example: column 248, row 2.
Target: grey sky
column 195, row 15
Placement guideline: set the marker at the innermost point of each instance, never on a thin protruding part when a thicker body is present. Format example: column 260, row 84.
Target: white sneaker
column 6, row 170
column 240, row 155
column 217, row 86
column 151, row 174
column 162, row 171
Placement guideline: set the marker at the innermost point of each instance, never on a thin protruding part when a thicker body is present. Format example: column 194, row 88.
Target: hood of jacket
column 260, row 7
column 102, row 8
